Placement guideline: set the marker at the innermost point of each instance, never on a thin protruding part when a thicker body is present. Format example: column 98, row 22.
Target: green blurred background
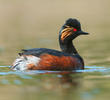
column 36, row 23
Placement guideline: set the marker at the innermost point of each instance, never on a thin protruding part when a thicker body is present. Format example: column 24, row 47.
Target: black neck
column 68, row 47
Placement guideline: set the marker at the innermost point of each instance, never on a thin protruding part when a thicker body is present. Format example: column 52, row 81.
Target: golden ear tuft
column 66, row 32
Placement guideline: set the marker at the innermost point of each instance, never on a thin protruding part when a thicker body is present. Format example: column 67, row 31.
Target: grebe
column 49, row 59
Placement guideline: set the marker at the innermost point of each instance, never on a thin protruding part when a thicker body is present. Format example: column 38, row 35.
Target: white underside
column 22, row 62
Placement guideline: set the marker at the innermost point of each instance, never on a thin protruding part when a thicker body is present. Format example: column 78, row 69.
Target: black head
column 70, row 30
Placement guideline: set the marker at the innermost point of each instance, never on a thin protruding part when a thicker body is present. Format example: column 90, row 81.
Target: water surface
column 85, row 84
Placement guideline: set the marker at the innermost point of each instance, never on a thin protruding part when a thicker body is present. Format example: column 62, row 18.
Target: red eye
column 74, row 29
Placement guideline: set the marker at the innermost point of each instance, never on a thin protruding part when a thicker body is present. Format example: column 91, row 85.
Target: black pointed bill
column 82, row 33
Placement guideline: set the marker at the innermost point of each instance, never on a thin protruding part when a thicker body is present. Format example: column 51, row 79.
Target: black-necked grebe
column 49, row 59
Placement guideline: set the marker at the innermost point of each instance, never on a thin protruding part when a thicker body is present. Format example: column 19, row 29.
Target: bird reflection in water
column 66, row 78
column 65, row 83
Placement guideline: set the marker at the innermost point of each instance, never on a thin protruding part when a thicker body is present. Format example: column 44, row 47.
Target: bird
column 67, row 59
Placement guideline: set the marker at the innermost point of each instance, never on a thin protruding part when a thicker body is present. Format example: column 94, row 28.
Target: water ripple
column 23, row 73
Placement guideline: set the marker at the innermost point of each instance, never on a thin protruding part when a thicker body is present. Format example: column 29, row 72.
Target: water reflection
column 5, row 81
column 60, row 84
column 31, row 72
column 68, row 78
column 17, row 82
